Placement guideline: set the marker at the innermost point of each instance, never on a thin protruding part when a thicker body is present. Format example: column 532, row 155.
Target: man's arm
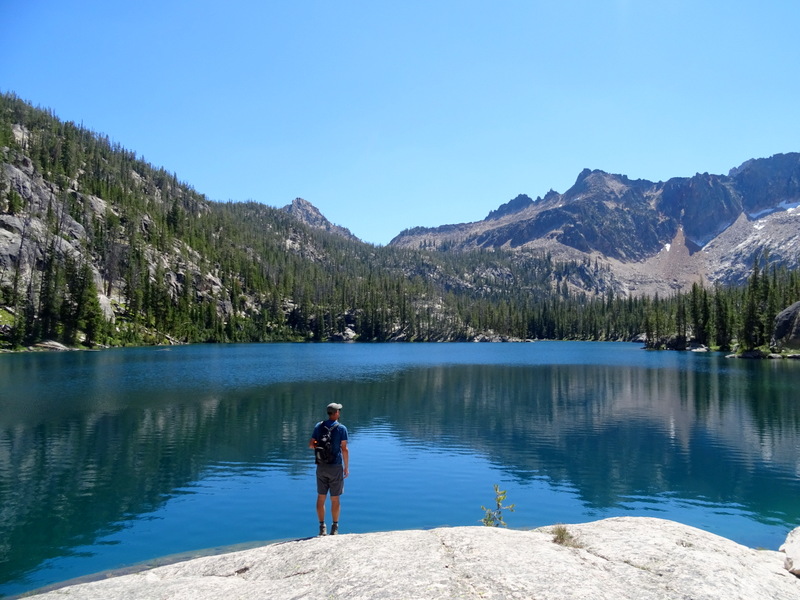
column 346, row 458
column 312, row 443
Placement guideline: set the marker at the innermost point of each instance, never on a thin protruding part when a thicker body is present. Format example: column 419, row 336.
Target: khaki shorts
column 330, row 478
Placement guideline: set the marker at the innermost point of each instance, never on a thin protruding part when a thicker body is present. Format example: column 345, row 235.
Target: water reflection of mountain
column 69, row 476
column 611, row 432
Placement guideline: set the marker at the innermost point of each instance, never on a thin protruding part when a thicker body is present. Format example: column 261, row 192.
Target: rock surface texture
column 620, row 558
column 787, row 327
column 792, row 551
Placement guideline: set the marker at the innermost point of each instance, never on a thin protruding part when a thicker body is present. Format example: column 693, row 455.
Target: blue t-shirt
column 338, row 434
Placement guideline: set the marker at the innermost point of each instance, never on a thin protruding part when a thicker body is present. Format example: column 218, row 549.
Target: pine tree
column 723, row 326
column 751, row 332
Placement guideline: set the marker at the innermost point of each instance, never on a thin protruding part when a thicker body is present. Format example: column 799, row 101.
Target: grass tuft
column 563, row 537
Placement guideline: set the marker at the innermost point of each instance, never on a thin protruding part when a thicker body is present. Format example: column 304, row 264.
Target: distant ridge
column 657, row 236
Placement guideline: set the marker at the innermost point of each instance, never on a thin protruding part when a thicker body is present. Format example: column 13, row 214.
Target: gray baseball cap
column 333, row 406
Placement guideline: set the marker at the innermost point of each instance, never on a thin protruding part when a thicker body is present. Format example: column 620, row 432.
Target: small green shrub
column 494, row 516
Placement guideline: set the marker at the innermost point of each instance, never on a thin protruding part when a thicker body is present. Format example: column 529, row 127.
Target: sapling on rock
column 494, row 516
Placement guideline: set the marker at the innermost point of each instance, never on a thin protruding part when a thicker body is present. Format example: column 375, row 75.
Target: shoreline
column 636, row 558
column 48, row 346
column 149, row 564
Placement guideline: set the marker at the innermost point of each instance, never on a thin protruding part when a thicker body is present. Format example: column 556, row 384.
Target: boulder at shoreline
column 621, row 558
column 791, row 548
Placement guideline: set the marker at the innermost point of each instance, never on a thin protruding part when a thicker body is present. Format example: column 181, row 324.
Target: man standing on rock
column 329, row 442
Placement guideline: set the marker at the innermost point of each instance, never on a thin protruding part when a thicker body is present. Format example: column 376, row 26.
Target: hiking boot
column 322, row 529
column 334, row 529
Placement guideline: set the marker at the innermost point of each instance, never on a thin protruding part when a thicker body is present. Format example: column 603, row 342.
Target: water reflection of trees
column 611, row 433
column 67, row 481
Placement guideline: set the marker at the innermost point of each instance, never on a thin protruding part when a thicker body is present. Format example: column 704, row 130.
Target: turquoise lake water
column 115, row 458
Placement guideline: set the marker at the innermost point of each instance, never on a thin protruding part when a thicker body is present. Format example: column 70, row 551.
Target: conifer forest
column 104, row 249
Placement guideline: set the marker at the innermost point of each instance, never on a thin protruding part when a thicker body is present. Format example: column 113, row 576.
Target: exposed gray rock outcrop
column 620, row 558
column 51, row 345
column 787, row 328
column 309, row 214
column 792, row 551
column 656, row 236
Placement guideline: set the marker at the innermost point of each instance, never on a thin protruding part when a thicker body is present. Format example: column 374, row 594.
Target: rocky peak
column 655, row 231
column 307, row 213
column 518, row 204
column 763, row 182
column 600, row 184
column 550, row 196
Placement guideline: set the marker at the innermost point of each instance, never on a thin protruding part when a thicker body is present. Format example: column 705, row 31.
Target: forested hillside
column 98, row 247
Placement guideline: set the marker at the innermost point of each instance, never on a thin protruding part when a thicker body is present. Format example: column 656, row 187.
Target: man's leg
column 337, row 489
column 335, row 508
column 321, row 506
column 321, row 513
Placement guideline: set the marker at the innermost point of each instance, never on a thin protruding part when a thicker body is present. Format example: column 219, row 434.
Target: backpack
column 323, row 451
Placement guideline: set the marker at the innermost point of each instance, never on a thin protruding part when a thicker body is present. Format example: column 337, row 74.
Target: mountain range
column 656, row 236
column 92, row 234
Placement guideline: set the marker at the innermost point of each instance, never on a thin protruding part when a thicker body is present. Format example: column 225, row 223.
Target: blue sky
column 392, row 115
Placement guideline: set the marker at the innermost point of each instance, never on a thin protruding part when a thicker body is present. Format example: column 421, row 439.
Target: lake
column 119, row 457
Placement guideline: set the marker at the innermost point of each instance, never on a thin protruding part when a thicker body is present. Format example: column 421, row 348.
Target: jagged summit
column 519, row 203
column 309, row 214
column 658, row 236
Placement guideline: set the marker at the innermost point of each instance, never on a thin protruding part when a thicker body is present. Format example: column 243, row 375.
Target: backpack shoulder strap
column 330, row 429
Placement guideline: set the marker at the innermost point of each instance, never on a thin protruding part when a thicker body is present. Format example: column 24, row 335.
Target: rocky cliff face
column 657, row 236
column 46, row 229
